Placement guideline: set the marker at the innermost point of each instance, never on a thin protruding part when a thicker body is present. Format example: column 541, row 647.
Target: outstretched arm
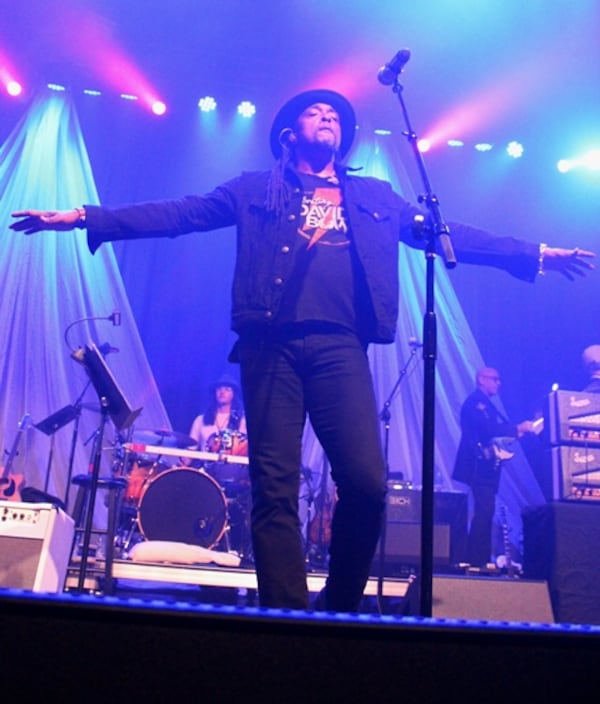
column 33, row 221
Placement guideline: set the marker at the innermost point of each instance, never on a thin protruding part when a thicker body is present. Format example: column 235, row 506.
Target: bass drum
column 184, row 506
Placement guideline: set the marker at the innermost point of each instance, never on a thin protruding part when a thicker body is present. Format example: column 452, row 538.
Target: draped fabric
column 50, row 280
column 50, row 285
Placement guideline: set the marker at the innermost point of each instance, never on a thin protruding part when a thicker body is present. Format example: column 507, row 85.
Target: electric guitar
column 499, row 447
column 11, row 484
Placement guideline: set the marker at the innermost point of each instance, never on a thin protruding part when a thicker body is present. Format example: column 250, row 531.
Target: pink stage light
column 92, row 44
column 158, row 107
column 14, row 88
column 7, row 77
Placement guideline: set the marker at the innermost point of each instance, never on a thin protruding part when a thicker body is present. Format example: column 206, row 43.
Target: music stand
column 49, row 426
column 113, row 404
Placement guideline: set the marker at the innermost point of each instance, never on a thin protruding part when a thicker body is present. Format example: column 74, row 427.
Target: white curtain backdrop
column 49, row 281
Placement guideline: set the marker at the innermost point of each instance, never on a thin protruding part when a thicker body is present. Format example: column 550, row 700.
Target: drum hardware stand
column 241, row 502
column 309, row 497
column 435, row 231
column 321, row 543
column 125, row 531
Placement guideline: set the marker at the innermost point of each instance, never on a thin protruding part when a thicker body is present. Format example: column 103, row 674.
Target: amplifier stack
column 572, row 433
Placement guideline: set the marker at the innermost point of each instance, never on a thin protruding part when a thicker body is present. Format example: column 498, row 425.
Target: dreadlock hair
column 278, row 191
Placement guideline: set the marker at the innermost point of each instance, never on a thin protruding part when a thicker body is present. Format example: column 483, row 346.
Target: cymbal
column 164, row 437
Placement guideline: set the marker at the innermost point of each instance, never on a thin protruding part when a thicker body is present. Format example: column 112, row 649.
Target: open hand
column 37, row 220
column 569, row 262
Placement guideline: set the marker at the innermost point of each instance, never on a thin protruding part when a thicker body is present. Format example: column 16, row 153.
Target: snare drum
column 228, row 442
column 185, row 506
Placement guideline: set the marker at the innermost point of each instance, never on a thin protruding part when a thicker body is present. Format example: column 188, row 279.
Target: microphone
column 115, row 317
column 388, row 73
column 414, row 343
column 106, row 348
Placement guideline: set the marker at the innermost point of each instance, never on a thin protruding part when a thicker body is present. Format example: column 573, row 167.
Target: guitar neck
column 13, row 450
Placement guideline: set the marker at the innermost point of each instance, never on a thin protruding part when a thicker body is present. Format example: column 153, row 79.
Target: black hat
column 289, row 113
column 225, row 380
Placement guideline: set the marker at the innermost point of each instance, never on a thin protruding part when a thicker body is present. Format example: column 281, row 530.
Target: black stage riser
column 121, row 652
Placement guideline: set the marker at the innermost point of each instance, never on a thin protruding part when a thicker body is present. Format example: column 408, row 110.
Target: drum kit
column 174, row 493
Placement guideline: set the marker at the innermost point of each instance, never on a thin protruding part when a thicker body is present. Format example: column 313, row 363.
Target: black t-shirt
column 327, row 282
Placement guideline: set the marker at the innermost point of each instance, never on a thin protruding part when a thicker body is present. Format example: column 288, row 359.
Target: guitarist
column 480, row 456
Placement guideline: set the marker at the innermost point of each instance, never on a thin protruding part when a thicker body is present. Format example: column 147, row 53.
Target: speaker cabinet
column 35, row 546
column 575, row 473
column 491, row 599
column 561, row 544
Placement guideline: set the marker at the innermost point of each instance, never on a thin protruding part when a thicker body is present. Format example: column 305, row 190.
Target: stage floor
column 459, row 596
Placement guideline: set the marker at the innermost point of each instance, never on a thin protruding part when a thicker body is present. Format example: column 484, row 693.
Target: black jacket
column 481, row 423
column 377, row 216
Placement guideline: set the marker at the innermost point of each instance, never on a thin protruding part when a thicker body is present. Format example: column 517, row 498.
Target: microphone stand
column 437, row 231
column 386, row 416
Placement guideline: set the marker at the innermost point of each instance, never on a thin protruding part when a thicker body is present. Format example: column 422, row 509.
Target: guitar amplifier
column 35, row 546
column 403, row 529
column 572, row 418
column 575, row 473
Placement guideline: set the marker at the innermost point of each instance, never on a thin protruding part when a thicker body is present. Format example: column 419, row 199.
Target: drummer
column 224, row 414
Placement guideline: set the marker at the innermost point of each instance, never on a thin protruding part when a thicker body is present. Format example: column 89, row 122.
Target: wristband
column 543, row 248
column 81, row 213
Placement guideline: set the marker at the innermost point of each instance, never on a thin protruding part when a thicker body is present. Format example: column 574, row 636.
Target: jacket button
column 291, row 217
column 269, row 314
column 278, row 281
column 285, row 249
column 376, row 215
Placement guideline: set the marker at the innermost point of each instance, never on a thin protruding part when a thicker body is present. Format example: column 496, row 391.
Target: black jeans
column 324, row 372
column 484, row 488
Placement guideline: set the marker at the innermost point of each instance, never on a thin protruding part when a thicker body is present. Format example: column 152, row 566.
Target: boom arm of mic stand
column 429, row 199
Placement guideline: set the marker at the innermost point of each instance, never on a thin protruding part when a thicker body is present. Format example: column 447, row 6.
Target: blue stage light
column 207, row 104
